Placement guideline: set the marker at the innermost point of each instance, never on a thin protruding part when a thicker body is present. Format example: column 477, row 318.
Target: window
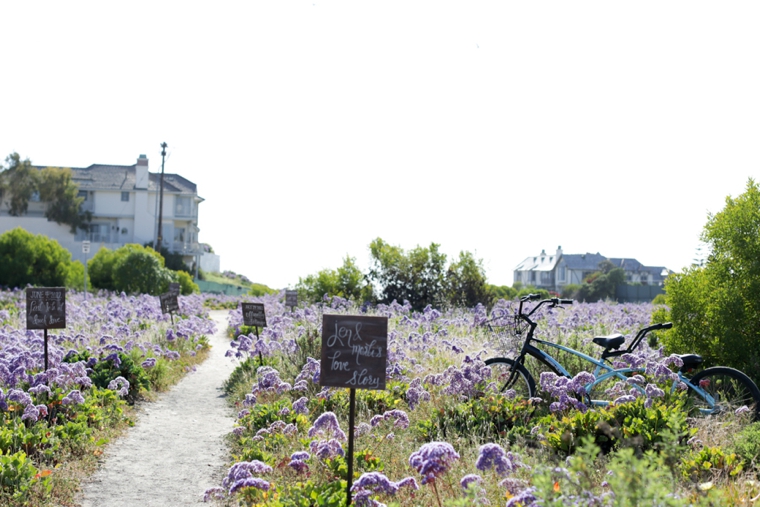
column 98, row 233
column 561, row 273
column 83, row 194
column 182, row 206
column 179, row 234
column 35, row 196
column 125, row 196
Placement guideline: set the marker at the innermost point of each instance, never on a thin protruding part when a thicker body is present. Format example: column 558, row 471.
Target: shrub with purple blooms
column 114, row 348
column 441, row 434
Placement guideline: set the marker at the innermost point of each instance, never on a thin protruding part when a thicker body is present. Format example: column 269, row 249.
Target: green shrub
column 618, row 426
column 747, row 444
column 26, row 258
column 186, row 283
column 709, row 463
column 481, row 419
column 105, row 371
column 131, row 268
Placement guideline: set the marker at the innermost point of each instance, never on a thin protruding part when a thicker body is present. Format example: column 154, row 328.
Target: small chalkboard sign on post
column 255, row 316
column 354, row 355
column 45, row 309
column 169, row 304
column 291, row 299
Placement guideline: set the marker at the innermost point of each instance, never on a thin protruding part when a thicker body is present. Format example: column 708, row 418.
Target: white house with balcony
column 123, row 202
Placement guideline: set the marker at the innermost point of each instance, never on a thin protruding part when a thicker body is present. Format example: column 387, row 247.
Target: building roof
column 583, row 262
column 123, row 177
column 541, row 262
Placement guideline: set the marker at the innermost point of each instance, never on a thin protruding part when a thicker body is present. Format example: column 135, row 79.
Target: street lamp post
column 161, row 199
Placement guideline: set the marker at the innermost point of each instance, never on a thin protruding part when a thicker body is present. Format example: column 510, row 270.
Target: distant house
column 123, row 201
column 554, row 271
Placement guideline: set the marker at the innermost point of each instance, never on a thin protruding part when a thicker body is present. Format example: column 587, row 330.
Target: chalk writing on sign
column 254, row 314
column 45, row 308
column 291, row 298
column 169, row 303
column 354, row 351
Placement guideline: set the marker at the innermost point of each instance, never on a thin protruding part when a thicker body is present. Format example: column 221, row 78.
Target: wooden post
column 351, row 410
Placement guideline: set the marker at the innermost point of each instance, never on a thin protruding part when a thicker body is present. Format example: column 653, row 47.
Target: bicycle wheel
column 522, row 382
column 730, row 389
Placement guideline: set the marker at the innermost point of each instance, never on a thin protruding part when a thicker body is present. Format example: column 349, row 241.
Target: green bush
column 26, row 258
column 132, row 269
column 186, row 283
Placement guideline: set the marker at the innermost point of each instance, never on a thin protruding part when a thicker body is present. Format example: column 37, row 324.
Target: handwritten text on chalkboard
column 254, row 315
column 169, row 303
column 354, row 351
column 45, row 308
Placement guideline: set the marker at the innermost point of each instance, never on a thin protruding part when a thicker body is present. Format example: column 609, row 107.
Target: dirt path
column 176, row 450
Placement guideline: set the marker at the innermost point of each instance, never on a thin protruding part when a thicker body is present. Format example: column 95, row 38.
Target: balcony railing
column 186, row 248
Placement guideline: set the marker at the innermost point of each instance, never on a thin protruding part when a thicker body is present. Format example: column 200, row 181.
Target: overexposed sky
column 313, row 127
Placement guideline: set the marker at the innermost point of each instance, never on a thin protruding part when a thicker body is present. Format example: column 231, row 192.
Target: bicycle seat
column 612, row 341
column 690, row 361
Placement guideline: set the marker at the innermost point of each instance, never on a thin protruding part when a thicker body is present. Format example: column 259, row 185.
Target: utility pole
column 161, row 199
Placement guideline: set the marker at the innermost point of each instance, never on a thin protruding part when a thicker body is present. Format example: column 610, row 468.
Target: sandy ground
column 176, row 449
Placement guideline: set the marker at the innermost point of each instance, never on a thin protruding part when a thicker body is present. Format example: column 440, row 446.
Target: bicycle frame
column 603, row 371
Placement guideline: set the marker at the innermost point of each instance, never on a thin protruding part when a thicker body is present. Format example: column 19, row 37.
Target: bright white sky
column 313, row 127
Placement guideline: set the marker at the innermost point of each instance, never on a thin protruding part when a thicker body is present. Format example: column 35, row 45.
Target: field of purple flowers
column 114, row 349
column 441, row 434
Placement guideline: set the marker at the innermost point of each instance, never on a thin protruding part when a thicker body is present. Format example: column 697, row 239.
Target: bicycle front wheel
column 501, row 370
column 727, row 389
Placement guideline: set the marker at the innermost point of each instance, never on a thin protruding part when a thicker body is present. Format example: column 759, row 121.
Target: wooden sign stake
column 44, row 334
column 354, row 356
column 351, row 411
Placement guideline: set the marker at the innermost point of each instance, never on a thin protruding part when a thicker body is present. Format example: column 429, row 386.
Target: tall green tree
column 347, row 281
column 715, row 308
column 417, row 276
column 19, row 181
column 62, row 197
column 466, row 282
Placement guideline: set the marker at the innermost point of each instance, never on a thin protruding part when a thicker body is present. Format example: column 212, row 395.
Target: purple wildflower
column 327, row 425
column 493, row 456
column 469, row 479
column 214, row 493
column 120, row 385
column 74, row 397
column 300, row 406
column 250, row 482
column 375, row 481
column 433, row 459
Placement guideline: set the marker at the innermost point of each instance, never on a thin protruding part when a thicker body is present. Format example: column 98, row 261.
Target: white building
column 123, row 201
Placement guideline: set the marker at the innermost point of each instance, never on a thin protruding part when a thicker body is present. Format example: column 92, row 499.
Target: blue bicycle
column 718, row 389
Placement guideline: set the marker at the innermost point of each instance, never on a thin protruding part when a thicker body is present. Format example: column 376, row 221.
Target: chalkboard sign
column 354, row 351
column 174, row 289
column 291, row 298
column 45, row 308
column 254, row 315
column 169, row 303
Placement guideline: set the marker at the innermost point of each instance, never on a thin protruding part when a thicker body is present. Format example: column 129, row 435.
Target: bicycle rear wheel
column 522, row 382
column 730, row 389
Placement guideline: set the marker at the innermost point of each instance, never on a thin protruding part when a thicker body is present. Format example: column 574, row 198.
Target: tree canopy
column 715, row 308
column 19, row 180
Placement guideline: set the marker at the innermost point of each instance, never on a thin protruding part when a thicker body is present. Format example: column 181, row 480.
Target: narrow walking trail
column 176, row 449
